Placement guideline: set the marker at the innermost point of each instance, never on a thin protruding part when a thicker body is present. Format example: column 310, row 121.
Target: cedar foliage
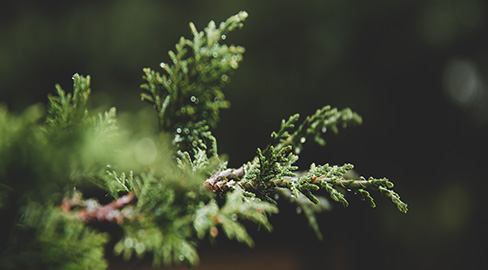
column 167, row 189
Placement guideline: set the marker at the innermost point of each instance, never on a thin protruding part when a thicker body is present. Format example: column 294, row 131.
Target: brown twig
column 91, row 211
column 219, row 181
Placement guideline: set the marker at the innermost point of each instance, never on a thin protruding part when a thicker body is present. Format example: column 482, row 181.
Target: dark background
column 415, row 70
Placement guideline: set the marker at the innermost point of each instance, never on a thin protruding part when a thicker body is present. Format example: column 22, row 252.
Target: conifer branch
column 90, row 210
column 313, row 127
column 238, row 206
column 69, row 109
column 308, row 184
column 181, row 194
column 189, row 96
column 273, row 168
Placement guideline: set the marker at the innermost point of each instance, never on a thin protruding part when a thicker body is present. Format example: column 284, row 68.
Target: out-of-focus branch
column 91, row 211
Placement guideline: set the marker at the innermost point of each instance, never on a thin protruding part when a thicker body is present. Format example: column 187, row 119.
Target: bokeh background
column 417, row 71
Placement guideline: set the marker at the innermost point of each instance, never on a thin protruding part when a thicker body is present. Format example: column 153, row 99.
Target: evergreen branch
column 334, row 194
column 249, row 208
column 116, row 184
column 90, row 211
column 160, row 204
column 237, row 206
column 66, row 110
column 158, row 220
column 168, row 245
column 329, row 178
column 365, row 196
column 309, row 208
column 47, row 238
column 189, row 96
column 205, row 219
column 219, row 181
column 395, row 198
column 313, row 127
column 273, row 168
column 106, row 124
column 195, row 137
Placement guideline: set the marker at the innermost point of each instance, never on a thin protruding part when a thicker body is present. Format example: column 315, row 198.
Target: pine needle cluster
column 65, row 171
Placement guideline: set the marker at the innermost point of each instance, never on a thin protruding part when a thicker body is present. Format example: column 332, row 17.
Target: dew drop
column 187, row 131
column 276, row 196
column 162, row 64
column 181, row 257
column 178, row 130
column 234, row 217
column 108, row 166
column 223, row 37
column 299, row 210
column 303, row 139
column 224, row 78
column 297, row 151
column 215, row 54
column 194, row 143
column 324, row 130
column 194, row 99
column 142, row 98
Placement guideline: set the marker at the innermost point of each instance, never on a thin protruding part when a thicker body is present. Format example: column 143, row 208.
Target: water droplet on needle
column 194, row 99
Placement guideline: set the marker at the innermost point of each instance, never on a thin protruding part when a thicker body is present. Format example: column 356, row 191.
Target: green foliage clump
column 189, row 95
column 68, row 110
column 166, row 190
column 47, row 238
